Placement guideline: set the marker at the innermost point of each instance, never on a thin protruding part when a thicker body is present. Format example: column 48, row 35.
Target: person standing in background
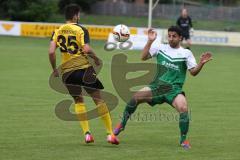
column 185, row 23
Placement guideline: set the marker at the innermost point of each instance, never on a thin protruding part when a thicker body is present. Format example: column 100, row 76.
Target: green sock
column 183, row 125
column 129, row 109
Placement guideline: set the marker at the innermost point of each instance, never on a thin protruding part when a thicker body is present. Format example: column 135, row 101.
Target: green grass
column 30, row 129
column 157, row 22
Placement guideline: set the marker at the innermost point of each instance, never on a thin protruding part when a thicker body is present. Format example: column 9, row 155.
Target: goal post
column 150, row 10
column 150, row 14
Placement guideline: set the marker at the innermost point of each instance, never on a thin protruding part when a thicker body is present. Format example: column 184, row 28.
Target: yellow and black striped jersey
column 71, row 38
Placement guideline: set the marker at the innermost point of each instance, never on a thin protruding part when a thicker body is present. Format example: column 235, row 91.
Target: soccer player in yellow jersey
column 73, row 41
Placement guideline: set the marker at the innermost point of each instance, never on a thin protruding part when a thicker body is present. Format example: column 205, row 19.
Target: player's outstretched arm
column 152, row 35
column 205, row 57
column 52, row 57
column 89, row 51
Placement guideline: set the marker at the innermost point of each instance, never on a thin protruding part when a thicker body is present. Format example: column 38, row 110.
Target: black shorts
column 81, row 78
column 186, row 36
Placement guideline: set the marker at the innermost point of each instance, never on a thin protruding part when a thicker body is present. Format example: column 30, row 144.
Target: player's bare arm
column 205, row 57
column 152, row 35
column 52, row 57
column 89, row 51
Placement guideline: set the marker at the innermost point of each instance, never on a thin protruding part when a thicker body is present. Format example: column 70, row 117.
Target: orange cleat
column 89, row 138
column 186, row 144
column 112, row 139
column 119, row 128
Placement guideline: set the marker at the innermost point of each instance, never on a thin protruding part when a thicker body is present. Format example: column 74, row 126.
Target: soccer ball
column 121, row 33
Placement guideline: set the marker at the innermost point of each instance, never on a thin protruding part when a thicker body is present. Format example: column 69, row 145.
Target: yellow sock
column 104, row 113
column 79, row 109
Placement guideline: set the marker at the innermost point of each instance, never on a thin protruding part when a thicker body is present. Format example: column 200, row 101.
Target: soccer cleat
column 186, row 144
column 89, row 138
column 119, row 128
column 112, row 139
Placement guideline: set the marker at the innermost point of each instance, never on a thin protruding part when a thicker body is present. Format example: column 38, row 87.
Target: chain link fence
column 167, row 11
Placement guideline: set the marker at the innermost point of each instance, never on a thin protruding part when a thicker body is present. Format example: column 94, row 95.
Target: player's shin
column 80, row 109
column 129, row 109
column 183, row 125
column 105, row 115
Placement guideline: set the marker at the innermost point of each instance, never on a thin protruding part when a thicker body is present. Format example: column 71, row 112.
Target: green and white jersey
column 172, row 63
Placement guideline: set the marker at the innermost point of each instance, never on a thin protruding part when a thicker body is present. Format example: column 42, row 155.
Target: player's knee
column 78, row 99
column 183, row 108
column 137, row 98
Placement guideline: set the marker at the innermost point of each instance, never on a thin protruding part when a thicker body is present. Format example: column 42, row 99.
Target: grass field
column 30, row 129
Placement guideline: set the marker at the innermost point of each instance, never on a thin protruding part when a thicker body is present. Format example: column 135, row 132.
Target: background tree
column 84, row 4
column 28, row 10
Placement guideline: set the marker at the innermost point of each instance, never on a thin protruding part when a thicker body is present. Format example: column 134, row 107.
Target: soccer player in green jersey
column 172, row 61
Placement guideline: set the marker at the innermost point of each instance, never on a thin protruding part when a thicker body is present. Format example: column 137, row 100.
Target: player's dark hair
column 71, row 10
column 176, row 29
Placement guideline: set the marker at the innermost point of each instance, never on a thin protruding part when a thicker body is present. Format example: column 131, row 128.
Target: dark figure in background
column 185, row 23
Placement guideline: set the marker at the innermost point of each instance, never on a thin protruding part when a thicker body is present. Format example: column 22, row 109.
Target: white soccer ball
column 121, row 33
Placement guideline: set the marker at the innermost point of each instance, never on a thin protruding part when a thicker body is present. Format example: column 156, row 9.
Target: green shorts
column 164, row 92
